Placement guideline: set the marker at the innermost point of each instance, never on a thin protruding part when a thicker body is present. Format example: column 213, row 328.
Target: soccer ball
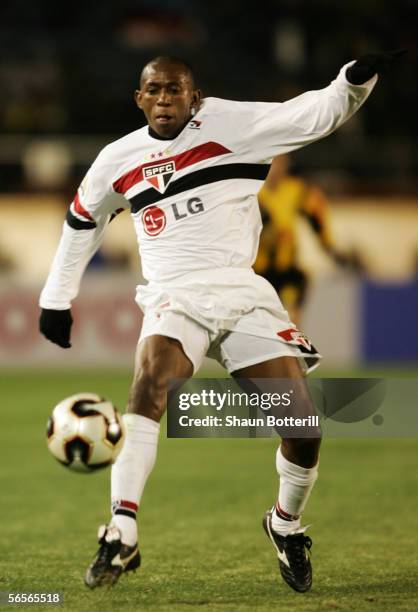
column 85, row 432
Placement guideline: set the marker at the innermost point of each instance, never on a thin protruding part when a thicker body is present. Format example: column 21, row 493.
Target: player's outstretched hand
column 351, row 261
column 55, row 325
column 369, row 65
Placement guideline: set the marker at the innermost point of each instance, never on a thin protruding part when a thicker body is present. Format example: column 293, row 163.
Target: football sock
column 296, row 484
column 130, row 472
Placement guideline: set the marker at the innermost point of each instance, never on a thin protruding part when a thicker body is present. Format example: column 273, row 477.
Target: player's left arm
column 280, row 128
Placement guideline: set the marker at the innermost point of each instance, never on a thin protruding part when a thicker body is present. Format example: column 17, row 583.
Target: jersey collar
column 154, row 134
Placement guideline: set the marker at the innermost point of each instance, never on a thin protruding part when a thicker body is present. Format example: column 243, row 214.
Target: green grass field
column 200, row 523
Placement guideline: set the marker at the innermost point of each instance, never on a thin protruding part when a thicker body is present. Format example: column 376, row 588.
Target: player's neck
column 157, row 136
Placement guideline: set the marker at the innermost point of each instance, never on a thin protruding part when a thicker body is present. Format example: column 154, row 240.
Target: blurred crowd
column 68, row 71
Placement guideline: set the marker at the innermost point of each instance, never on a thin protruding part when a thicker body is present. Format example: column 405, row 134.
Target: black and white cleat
column 112, row 559
column 292, row 553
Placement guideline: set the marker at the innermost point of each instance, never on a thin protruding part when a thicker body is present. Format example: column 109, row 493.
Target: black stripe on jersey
column 77, row 223
column 198, row 178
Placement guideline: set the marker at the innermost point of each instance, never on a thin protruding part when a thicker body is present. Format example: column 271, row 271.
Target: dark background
column 69, row 69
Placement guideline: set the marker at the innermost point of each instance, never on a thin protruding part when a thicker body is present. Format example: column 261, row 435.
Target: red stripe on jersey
column 80, row 210
column 182, row 160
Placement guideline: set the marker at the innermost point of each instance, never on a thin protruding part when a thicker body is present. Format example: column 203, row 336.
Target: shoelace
column 296, row 547
column 105, row 554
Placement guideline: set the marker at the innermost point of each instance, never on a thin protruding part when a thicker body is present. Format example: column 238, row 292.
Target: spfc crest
column 159, row 175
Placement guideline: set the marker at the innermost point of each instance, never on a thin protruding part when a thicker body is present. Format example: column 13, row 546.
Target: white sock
column 130, row 472
column 296, row 484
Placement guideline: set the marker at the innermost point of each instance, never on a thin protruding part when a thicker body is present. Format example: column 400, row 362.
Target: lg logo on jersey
column 193, row 206
column 154, row 218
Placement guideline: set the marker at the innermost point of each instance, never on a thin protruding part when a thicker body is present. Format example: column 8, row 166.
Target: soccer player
column 284, row 198
column 191, row 178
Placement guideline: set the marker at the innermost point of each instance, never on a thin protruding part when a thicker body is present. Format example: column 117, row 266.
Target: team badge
column 153, row 220
column 159, row 175
column 294, row 335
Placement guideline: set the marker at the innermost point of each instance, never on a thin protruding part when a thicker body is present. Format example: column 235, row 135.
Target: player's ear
column 196, row 99
column 138, row 98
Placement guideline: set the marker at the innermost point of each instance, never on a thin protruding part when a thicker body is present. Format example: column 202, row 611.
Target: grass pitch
column 200, row 522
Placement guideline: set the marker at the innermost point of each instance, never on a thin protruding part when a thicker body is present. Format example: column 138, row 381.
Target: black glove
column 369, row 65
column 351, row 261
column 55, row 325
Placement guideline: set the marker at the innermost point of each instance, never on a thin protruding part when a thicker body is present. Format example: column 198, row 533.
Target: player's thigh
column 285, row 375
column 279, row 367
column 162, row 357
column 160, row 361
column 171, row 347
column 183, row 336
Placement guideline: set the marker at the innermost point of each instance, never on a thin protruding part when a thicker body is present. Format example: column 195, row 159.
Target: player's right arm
column 83, row 229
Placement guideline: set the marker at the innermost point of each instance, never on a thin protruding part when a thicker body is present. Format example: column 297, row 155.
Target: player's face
column 167, row 98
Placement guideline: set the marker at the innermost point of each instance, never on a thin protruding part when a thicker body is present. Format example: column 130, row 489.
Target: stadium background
column 67, row 83
column 67, row 75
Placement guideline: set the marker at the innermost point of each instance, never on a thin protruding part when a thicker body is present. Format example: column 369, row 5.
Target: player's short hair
column 170, row 60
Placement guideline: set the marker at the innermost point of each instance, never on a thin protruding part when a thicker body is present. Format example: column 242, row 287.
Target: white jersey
column 193, row 199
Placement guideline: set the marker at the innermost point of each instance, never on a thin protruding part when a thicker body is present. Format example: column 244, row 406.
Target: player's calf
column 159, row 359
column 296, row 484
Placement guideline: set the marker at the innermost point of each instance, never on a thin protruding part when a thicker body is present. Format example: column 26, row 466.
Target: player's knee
column 149, row 390
column 302, row 451
column 155, row 371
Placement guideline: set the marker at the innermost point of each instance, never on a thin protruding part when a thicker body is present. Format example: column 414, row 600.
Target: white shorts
column 230, row 315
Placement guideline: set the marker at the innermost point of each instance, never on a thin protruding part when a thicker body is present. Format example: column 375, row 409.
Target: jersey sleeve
column 93, row 207
column 277, row 128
